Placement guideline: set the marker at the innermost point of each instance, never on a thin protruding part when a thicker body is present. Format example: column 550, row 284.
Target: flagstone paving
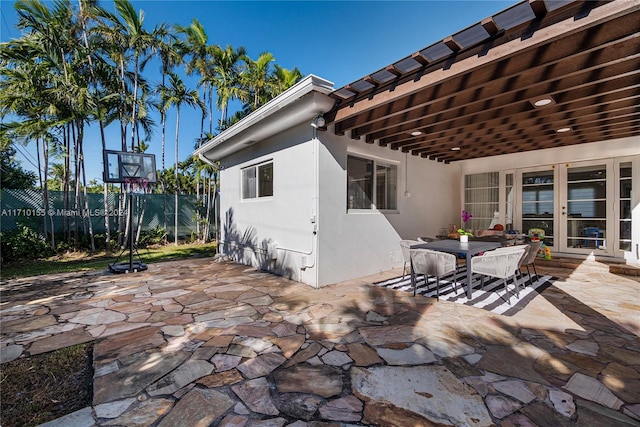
column 199, row 342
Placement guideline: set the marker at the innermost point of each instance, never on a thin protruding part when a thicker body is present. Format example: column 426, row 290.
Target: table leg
column 469, row 288
column 413, row 278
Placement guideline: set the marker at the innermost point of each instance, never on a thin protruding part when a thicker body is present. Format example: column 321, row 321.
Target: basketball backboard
column 121, row 167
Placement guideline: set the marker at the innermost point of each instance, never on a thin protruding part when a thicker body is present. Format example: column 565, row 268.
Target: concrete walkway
column 198, row 343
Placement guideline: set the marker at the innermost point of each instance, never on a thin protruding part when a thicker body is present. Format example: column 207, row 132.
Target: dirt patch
column 46, row 386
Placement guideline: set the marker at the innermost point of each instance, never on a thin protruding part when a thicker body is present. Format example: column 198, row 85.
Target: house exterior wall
column 310, row 185
column 355, row 244
column 273, row 233
column 305, row 232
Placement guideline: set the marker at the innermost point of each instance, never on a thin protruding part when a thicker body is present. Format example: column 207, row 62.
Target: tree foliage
column 77, row 65
column 12, row 176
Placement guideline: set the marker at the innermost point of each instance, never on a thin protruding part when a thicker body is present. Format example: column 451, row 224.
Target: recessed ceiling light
column 455, row 149
column 542, row 101
column 564, row 129
column 416, row 133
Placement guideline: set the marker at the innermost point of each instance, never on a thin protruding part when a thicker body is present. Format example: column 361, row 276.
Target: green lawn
column 100, row 261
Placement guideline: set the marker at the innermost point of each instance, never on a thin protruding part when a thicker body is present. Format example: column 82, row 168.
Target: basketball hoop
column 125, row 167
column 136, row 171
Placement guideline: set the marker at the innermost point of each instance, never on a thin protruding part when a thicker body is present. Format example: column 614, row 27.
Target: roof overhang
column 472, row 95
column 301, row 102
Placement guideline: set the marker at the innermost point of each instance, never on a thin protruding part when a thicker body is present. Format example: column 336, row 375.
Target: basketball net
column 137, row 185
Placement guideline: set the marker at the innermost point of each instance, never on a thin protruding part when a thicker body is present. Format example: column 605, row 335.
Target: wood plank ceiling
column 472, row 94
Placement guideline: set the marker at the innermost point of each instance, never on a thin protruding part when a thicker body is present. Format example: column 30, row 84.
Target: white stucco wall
column 285, row 218
column 357, row 244
column 572, row 153
column 310, row 182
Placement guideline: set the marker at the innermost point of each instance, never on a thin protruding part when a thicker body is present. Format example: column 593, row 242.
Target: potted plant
column 464, row 235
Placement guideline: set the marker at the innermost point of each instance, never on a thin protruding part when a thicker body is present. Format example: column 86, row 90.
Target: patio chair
column 592, row 235
column 432, row 263
column 526, row 248
column 530, row 259
column 460, row 258
column 405, row 245
column 502, row 263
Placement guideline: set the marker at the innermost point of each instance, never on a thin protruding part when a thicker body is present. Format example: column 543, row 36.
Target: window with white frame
column 371, row 184
column 481, row 198
column 257, row 181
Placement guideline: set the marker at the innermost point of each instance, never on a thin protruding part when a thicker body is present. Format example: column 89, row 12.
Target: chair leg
column 482, row 282
column 404, row 269
column 438, row 288
column 413, row 282
column 529, row 275
column 506, row 289
column 521, row 277
column 535, row 271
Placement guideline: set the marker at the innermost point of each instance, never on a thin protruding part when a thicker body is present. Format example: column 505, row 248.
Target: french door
column 579, row 208
column 538, row 207
column 587, row 207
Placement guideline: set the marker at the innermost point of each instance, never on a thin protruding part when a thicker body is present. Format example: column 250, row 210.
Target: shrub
column 23, row 243
column 152, row 236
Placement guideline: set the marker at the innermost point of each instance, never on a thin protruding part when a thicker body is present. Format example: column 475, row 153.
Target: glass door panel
column 586, row 207
column 508, row 208
column 538, row 203
column 624, row 214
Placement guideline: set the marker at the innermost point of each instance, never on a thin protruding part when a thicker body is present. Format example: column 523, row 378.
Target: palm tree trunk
column 204, row 91
column 105, row 193
column 177, row 190
column 208, row 222
column 44, row 200
column 141, row 217
column 76, row 199
column 66, row 196
column 86, row 207
column 215, row 207
column 45, row 191
column 211, row 110
column 163, row 182
column 85, row 213
column 121, row 107
column 134, row 107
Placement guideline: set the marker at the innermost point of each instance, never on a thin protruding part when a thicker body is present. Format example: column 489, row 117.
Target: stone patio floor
column 198, row 343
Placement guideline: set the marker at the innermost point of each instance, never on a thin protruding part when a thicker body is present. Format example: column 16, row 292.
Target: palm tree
column 282, row 79
column 256, row 79
column 170, row 56
column 197, row 48
column 57, row 92
column 177, row 94
column 226, row 76
column 139, row 41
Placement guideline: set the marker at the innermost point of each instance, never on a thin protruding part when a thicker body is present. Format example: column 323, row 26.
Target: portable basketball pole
column 132, row 266
column 132, row 169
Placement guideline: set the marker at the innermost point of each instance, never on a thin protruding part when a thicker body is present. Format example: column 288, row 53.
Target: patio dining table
column 469, row 249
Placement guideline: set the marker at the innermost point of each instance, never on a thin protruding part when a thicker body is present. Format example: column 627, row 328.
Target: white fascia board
column 302, row 101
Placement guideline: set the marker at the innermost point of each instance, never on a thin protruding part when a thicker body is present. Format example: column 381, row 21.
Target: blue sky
column 340, row 41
